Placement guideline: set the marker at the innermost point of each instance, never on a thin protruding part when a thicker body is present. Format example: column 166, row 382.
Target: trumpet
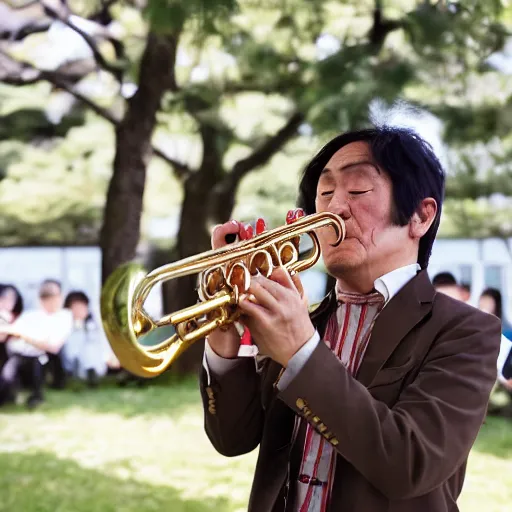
column 223, row 276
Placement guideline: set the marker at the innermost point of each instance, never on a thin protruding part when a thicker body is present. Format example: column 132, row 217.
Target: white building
column 480, row 263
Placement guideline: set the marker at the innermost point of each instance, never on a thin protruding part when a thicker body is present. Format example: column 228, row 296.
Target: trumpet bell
column 132, row 335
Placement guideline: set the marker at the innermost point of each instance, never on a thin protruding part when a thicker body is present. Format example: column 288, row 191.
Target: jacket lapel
column 404, row 311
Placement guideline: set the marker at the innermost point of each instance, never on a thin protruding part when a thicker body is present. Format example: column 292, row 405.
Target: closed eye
column 359, row 192
column 327, row 193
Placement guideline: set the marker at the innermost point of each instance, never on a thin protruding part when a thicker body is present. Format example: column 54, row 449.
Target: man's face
column 51, row 297
column 8, row 300
column 487, row 304
column 453, row 291
column 80, row 310
column 353, row 187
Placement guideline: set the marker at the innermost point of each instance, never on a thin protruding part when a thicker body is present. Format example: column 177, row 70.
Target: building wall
column 481, row 263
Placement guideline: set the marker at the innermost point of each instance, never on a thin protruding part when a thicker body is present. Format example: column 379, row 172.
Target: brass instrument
column 224, row 274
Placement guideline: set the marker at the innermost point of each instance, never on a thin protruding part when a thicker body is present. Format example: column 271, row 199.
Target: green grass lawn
column 142, row 450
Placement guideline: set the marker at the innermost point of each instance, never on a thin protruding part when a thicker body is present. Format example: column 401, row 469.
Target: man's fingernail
column 260, row 226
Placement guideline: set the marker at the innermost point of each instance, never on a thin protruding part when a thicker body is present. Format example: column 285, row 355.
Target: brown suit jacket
column 402, row 429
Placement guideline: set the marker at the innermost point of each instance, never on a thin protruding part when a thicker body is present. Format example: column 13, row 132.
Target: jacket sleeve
column 232, row 408
column 411, row 448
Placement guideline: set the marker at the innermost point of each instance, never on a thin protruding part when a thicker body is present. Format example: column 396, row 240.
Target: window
column 493, row 276
column 466, row 274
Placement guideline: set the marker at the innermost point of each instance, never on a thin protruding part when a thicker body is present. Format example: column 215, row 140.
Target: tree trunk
column 209, row 199
column 121, row 225
column 199, row 210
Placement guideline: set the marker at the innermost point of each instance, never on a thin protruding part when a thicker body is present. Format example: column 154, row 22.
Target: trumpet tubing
column 224, row 274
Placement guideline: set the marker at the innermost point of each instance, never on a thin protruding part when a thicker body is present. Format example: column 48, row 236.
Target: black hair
column 18, row 305
column 45, row 292
column 75, row 296
column 409, row 161
column 52, row 281
column 498, row 301
column 444, row 279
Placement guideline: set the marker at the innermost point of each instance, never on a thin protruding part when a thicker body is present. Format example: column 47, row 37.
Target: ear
column 423, row 218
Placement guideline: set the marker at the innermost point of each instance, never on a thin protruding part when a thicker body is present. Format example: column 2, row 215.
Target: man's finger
column 251, row 309
column 282, row 276
column 263, row 296
column 276, row 289
column 298, row 284
column 220, row 231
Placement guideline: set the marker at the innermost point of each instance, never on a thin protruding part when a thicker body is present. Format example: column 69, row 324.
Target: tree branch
column 17, row 73
column 267, row 150
column 381, row 27
column 116, row 70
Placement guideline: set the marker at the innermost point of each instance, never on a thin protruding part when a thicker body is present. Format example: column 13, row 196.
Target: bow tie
column 371, row 298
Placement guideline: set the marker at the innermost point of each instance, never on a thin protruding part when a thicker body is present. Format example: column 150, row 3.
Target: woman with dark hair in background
column 86, row 354
column 11, row 306
column 491, row 302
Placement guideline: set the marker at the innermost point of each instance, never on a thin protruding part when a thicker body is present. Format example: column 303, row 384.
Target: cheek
column 371, row 216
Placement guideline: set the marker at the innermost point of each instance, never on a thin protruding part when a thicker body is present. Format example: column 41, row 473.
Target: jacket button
column 328, row 435
column 334, row 441
column 300, row 403
column 322, row 428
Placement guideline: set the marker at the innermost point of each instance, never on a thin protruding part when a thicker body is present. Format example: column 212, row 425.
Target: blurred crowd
column 491, row 302
column 61, row 341
column 52, row 345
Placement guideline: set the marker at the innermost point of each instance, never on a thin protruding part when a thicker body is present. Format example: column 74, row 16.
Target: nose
column 340, row 206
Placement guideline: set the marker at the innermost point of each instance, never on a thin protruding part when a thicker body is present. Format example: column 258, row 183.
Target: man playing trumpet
column 372, row 401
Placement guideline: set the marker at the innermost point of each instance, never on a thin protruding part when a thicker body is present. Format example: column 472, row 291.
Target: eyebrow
column 326, row 170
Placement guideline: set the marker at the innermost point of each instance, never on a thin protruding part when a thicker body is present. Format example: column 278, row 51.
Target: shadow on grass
column 41, row 482
column 172, row 400
column 495, row 438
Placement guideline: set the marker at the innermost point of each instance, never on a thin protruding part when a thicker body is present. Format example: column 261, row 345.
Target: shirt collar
column 390, row 284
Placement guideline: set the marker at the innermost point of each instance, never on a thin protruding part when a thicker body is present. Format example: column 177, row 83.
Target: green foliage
column 169, row 16
column 469, row 218
column 31, row 124
column 243, row 67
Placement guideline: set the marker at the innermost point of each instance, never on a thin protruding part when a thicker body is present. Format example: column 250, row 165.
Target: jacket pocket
column 392, row 375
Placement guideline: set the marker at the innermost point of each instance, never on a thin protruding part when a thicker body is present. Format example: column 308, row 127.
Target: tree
column 317, row 63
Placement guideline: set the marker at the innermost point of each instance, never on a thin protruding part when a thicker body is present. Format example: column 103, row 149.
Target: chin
column 341, row 262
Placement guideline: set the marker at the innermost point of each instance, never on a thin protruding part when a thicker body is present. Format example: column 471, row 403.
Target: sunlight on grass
column 145, row 450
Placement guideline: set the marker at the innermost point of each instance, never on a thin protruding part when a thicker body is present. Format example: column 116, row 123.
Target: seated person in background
column 86, row 353
column 444, row 282
column 491, row 302
column 11, row 306
column 32, row 335
column 465, row 290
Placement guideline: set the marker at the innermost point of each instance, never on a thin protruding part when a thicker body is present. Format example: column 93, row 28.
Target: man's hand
column 6, row 330
column 276, row 313
column 225, row 343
